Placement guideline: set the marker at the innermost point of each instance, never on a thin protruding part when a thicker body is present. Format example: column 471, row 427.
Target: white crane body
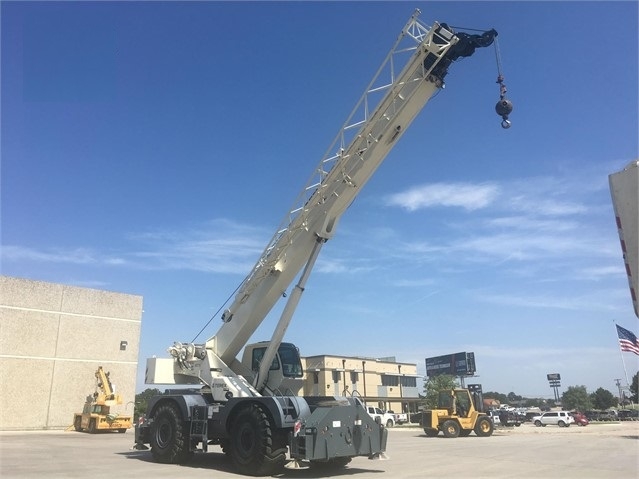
column 232, row 387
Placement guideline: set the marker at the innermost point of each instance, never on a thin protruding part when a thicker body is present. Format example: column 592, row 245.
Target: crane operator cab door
column 285, row 373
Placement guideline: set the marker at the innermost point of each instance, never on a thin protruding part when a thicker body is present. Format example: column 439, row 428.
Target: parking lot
column 596, row 451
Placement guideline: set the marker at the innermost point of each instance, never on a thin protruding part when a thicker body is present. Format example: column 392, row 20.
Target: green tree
column 433, row 385
column 142, row 401
column 535, row 402
column 634, row 388
column 603, row 399
column 502, row 398
column 576, row 398
column 512, row 397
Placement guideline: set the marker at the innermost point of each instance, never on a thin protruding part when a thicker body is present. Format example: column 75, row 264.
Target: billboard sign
column 458, row 364
column 553, row 377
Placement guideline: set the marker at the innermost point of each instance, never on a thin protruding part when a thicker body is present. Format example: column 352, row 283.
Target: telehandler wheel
column 254, row 447
column 451, row 428
column 430, row 432
column 77, row 423
column 169, row 436
column 484, row 427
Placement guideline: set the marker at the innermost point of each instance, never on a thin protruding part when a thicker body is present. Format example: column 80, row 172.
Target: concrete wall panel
column 25, row 391
column 98, row 339
column 28, row 333
column 30, row 294
column 92, row 302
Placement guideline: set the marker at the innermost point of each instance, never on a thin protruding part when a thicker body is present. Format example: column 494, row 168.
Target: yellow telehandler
column 458, row 413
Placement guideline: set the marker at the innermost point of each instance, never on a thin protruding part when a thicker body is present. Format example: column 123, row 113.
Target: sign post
column 554, row 379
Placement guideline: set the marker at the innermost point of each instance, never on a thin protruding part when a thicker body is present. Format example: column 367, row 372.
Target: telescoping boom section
column 250, row 407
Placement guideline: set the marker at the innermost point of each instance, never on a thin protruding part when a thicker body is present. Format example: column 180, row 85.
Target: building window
column 388, row 380
column 409, row 382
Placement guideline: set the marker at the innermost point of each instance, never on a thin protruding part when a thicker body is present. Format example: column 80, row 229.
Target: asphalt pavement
column 595, row 451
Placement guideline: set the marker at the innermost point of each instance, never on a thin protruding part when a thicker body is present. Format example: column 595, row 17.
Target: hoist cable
column 216, row 313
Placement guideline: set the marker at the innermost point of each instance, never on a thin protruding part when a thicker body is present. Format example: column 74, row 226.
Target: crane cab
column 285, row 374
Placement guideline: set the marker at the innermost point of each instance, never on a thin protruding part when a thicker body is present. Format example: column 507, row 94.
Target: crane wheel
column 255, row 447
column 92, row 427
column 77, row 423
column 169, row 436
column 451, row 428
column 484, row 427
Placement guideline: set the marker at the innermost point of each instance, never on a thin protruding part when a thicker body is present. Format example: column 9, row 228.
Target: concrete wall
column 53, row 337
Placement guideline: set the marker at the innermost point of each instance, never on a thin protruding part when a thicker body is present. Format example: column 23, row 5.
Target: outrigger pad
column 379, row 456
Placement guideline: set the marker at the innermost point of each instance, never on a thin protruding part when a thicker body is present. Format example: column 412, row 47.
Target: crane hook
column 504, row 107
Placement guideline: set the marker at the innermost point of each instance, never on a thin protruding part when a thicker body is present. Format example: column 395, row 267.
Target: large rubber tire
column 430, row 432
column 169, row 436
column 484, row 427
column 92, row 426
column 77, row 423
column 451, row 428
column 254, row 447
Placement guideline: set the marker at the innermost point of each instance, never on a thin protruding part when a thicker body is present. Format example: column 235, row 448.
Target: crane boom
column 358, row 150
column 411, row 74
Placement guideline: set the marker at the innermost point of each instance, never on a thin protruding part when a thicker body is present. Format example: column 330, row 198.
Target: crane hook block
column 503, row 108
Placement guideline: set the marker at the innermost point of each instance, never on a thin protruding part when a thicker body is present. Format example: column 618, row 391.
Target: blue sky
column 153, row 148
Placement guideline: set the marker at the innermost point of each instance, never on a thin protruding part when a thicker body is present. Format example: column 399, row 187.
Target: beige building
column 383, row 382
column 53, row 337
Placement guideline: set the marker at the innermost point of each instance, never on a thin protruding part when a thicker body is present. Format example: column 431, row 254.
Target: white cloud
column 218, row 246
column 463, row 195
column 82, row 256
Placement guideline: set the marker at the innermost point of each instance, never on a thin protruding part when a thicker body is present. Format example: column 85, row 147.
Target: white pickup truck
column 400, row 418
column 386, row 418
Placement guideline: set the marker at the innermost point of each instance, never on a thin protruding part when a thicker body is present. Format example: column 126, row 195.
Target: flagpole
column 621, row 354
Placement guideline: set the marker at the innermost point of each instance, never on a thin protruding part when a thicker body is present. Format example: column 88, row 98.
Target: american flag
column 627, row 340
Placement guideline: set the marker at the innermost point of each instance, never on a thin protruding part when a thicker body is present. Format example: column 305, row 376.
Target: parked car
column 400, row 418
column 385, row 418
column 502, row 417
column 628, row 414
column 580, row 419
column 601, row 416
column 555, row 418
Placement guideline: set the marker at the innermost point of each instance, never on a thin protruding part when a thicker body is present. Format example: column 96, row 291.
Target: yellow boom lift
column 96, row 414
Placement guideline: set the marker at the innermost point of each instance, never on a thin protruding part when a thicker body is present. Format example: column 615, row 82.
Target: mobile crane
column 251, row 408
column 96, row 414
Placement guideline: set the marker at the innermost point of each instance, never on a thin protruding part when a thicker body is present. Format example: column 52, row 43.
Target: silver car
column 555, row 418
